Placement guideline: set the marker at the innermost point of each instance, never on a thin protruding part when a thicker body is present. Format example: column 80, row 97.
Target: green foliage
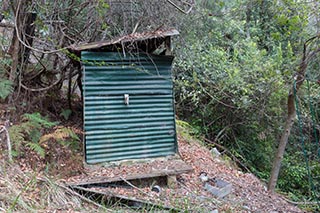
column 38, row 121
column 66, row 113
column 294, row 176
column 37, row 148
column 63, row 135
column 29, row 132
column 301, row 171
column 186, row 131
column 5, row 85
column 219, row 79
column 102, row 7
column 233, row 72
column 5, row 88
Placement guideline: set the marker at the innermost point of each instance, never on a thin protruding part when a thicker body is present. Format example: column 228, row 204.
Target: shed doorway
column 128, row 106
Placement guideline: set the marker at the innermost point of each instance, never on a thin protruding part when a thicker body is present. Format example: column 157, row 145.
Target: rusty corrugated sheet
column 134, row 37
column 143, row 128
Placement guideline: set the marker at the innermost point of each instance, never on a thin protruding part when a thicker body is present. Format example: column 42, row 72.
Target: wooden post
column 172, row 181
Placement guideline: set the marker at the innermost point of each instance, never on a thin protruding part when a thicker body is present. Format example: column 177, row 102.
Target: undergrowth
column 22, row 191
column 36, row 132
column 28, row 133
column 188, row 132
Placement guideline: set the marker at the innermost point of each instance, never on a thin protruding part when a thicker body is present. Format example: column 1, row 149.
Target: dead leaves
column 248, row 194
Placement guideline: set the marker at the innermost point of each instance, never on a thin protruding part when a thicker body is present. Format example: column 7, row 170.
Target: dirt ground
column 248, row 193
column 64, row 164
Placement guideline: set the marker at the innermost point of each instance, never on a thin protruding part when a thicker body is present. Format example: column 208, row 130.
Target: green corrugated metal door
column 128, row 106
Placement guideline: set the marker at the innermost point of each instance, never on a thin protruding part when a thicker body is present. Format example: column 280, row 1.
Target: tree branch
column 72, row 192
column 179, row 8
column 25, row 44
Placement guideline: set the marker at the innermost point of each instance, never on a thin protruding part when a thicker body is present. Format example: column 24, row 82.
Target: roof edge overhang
column 138, row 38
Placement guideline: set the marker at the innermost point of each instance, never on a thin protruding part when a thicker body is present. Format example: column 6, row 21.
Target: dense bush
column 233, row 72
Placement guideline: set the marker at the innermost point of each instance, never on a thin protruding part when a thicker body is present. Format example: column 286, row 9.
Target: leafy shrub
column 294, row 176
column 233, row 73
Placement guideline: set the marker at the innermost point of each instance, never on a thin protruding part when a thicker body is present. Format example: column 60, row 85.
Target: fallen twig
column 122, row 198
column 302, row 202
column 133, row 186
column 72, row 192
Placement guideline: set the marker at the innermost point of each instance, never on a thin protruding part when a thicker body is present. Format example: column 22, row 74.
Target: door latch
column 126, row 99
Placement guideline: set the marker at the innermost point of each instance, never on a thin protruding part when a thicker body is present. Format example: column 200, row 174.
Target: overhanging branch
column 24, row 43
column 180, row 9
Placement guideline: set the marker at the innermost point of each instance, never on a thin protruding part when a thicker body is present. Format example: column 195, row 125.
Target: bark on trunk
column 283, row 143
column 19, row 53
column 28, row 30
column 14, row 52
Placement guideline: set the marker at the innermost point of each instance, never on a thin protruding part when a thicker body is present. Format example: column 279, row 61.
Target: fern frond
column 16, row 134
column 5, row 88
column 38, row 119
column 35, row 135
column 29, row 133
column 37, row 148
column 60, row 134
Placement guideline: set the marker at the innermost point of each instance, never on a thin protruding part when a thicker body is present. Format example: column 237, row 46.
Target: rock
column 220, row 188
column 203, row 177
column 215, row 153
column 247, row 208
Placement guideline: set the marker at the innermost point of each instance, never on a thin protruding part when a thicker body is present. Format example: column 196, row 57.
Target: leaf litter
column 248, row 193
column 21, row 180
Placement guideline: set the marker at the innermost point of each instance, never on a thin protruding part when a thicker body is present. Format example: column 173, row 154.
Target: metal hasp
column 117, row 128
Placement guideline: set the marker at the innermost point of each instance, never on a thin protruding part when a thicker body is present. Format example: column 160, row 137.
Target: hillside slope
column 249, row 194
column 29, row 185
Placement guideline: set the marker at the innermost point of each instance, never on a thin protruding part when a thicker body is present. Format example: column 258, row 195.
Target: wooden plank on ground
column 184, row 168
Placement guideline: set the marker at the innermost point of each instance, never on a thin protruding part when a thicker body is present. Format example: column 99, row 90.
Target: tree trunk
column 14, row 52
column 299, row 79
column 283, row 143
column 26, row 29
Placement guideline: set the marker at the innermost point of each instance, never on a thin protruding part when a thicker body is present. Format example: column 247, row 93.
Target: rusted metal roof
column 134, row 37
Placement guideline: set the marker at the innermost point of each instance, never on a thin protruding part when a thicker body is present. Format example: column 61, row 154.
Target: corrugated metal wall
column 145, row 127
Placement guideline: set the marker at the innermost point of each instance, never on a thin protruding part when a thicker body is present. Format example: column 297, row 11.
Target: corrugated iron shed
column 128, row 97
